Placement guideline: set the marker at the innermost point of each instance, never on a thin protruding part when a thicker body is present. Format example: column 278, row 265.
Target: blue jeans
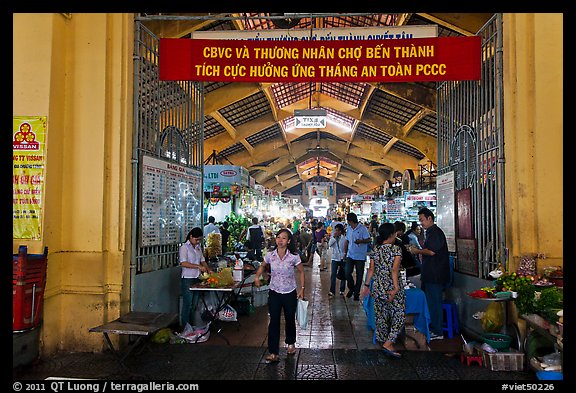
column 277, row 302
column 189, row 301
column 434, row 294
column 333, row 272
column 359, row 265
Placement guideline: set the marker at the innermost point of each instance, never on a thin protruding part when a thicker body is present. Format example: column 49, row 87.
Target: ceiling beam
column 467, row 24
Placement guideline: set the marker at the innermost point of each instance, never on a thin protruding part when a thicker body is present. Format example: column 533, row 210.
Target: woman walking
column 284, row 291
column 387, row 291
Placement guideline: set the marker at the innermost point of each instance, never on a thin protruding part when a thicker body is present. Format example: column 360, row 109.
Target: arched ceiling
column 374, row 130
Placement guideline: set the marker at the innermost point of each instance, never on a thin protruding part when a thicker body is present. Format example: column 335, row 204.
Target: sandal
column 291, row 349
column 272, row 358
column 391, row 353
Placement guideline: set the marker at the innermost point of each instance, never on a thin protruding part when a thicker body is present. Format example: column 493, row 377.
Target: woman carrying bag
column 284, row 292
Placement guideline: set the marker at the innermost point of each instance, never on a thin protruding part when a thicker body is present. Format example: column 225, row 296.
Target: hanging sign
column 226, row 174
column 323, row 34
column 408, row 60
column 445, row 214
column 312, row 118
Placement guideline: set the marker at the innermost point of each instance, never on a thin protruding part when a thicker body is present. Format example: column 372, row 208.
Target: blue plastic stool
column 450, row 323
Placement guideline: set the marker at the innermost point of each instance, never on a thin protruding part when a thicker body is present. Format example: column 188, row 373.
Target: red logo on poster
column 228, row 173
column 25, row 139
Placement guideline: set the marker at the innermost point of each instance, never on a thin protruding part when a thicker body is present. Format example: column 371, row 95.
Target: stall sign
column 229, row 174
column 394, row 209
column 426, row 198
column 360, row 198
column 320, row 189
column 323, row 34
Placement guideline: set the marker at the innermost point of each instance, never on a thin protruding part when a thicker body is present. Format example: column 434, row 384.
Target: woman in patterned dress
column 387, row 289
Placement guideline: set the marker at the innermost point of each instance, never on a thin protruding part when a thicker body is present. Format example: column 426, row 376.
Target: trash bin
column 28, row 283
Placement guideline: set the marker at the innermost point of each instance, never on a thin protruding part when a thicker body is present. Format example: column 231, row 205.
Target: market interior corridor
column 337, row 345
column 334, row 322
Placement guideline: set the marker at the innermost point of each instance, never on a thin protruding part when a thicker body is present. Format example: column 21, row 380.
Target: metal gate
column 167, row 159
column 471, row 143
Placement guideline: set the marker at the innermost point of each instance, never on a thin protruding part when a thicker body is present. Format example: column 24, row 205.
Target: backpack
column 256, row 238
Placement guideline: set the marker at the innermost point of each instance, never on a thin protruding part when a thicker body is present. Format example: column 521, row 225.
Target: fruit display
column 555, row 275
column 218, row 280
column 213, row 245
column 543, row 282
column 514, row 281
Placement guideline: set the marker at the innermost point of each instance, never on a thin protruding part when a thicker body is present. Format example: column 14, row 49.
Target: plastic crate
column 504, row 361
column 28, row 283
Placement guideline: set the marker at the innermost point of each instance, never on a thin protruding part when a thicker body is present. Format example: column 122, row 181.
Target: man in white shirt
column 211, row 226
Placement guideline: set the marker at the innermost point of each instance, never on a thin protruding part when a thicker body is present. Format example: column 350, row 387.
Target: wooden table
column 135, row 323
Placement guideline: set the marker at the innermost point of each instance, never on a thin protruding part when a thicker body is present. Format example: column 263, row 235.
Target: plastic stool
column 470, row 359
column 450, row 323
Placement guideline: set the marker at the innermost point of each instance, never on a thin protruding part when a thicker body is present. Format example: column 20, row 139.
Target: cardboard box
column 504, row 361
column 415, row 340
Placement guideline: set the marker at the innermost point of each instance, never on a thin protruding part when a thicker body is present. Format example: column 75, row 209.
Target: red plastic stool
column 471, row 359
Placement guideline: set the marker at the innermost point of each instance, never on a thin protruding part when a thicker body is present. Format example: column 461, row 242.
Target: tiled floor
column 337, row 345
column 334, row 322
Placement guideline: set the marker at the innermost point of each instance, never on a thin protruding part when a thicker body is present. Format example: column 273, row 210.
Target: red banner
column 408, row 60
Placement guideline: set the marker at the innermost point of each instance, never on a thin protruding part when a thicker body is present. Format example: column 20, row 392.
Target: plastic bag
column 493, row 317
column 227, row 314
column 195, row 334
column 302, row 313
column 341, row 275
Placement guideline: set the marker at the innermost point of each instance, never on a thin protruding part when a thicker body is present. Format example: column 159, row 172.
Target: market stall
column 223, row 189
column 528, row 330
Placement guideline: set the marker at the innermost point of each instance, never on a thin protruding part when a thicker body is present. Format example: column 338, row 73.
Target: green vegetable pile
column 237, row 224
column 543, row 301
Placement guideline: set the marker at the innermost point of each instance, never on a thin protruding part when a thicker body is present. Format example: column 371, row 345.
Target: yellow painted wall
column 533, row 124
column 78, row 72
